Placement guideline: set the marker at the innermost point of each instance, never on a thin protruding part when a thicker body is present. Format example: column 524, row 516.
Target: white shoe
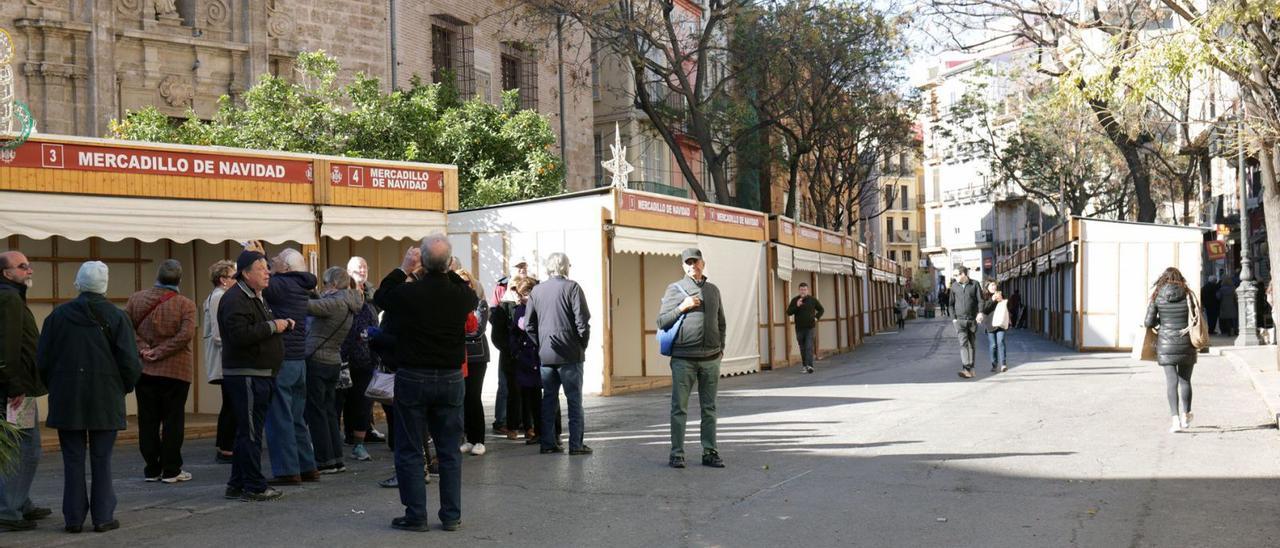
column 1175, row 426
column 466, row 448
column 478, row 449
column 1185, row 420
column 181, row 477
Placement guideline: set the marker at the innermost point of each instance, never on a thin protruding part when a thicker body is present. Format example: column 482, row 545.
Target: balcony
column 659, row 188
column 967, row 195
column 897, row 205
column 902, row 237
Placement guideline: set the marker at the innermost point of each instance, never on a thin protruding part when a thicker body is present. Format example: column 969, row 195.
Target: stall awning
column 785, row 261
column 653, row 242
column 75, row 217
column 363, row 222
column 807, row 261
column 835, row 264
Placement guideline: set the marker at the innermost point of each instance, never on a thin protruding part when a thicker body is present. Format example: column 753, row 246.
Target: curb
column 1268, row 389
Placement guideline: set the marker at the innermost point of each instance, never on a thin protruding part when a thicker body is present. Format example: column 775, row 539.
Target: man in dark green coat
column 89, row 360
column 19, row 386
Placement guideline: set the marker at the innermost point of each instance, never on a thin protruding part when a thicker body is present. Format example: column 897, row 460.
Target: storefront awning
column 652, row 242
column 363, row 222
column 76, row 217
column 807, row 261
column 835, row 264
column 785, row 261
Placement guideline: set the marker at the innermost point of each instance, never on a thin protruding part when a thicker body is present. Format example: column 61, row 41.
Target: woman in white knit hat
column 89, row 360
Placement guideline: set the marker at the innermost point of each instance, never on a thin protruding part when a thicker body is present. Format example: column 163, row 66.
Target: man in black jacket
column 965, row 302
column 559, row 323
column 807, row 311
column 429, row 348
column 252, row 353
column 20, row 385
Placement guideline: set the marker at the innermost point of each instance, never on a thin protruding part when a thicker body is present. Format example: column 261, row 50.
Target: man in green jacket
column 807, row 311
column 20, row 386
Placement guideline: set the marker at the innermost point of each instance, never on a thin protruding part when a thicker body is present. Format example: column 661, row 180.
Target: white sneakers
column 466, row 448
column 1185, row 419
column 181, row 477
column 478, row 449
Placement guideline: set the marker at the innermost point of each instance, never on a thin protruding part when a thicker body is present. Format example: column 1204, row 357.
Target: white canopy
column 807, row 261
column 75, row 217
column 784, row 262
column 362, row 222
column 835, row 264
column 638, row 240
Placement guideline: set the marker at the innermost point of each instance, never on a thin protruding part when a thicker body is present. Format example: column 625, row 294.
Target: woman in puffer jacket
column 1167, row 310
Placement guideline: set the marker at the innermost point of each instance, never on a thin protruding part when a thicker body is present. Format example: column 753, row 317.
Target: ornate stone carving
column 165, row 7
column 278, row 22
column 43, row 2
column 177, row 91
column 128, row 7
column 217, row 12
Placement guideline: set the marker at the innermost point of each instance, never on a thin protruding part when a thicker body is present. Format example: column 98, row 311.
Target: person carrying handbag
column 995, row 308
column 331, row 316
column 1169, row 311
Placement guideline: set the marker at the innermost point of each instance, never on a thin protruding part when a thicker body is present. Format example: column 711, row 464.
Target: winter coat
column 1209, row 297
column 168, row 327
column 250, row 344
column 1228, row 309
column 501, row 322
column 18, row 339
column 355, row 346
column 807, row 314
column 1168, row 311
column 702, row 334
column 477, row 346
column 965, row 300
column 559, row 321
column 430, row 317
column 87, row 368
column 287, row 295
column 523, row 350
column 212, row 339
column 331, row 317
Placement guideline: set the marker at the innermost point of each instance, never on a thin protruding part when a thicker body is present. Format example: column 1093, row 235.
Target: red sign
column 390, row 177
column 717, row 215
column 1216, row 250
column 660, row 206
column 33, row 154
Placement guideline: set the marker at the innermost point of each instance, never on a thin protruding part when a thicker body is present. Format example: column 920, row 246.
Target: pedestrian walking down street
column 164, row 324
column 289, row 440
column 1015, row 308
column 473, row 422
column 695, row 354
column 331, row 317
column 807, row 310
column 501, row 293
column 20, row 385
column 995, row 310
column 252, row 354
column 223, row 276
column 559, row 323
column 965, row 302
column 1228, row 309
column 356, row 408
column 429, row 349
column 1209, row 300
column 944, row 300
column 88, row 358
column 1168, row 313
column 900, row 311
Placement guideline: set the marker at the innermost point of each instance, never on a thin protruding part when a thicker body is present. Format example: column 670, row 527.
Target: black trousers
column 249, row 399
column 356, row 409
column 77, row 501
column 322, row 414
column 226, row 440
column 162, row 407
column 473, row 405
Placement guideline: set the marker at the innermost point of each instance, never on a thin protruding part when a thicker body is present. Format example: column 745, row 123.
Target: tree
column 502, row 152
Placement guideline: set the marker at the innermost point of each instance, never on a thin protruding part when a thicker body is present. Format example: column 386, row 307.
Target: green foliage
column 502, row 153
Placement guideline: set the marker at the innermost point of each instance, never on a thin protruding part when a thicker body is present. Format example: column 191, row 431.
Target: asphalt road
column 884, row 446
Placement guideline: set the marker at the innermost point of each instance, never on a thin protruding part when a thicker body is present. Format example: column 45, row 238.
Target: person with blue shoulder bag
column 691, row 320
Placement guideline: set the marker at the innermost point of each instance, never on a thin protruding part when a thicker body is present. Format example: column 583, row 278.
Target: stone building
column 81, row 64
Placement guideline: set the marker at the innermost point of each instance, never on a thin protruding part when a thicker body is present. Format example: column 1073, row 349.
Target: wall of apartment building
column 80, row 65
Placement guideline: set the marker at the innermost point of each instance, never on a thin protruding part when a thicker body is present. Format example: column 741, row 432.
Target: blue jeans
column 101, row 500
column 288, row 438
column 248, row 398
column 685, row 373
column 568, row 375
column 500, row 405
column 15, row 486
column 804, row 336
column 432, row 398
column 995, row 340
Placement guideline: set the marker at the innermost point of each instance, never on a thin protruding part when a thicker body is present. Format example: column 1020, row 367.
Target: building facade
column 902, row 219
column 80, row 65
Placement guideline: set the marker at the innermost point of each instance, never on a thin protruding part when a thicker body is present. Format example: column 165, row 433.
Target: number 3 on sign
column 51, row 155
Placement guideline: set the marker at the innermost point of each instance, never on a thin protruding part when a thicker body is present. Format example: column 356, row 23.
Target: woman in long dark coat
column 1168, row 310
column 89, row 360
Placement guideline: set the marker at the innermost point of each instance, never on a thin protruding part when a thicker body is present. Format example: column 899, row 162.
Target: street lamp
column 1247, row 293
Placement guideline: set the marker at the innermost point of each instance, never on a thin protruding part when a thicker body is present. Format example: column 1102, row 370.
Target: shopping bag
column 382, row 386
column 1144, row 344
column 1196, row 328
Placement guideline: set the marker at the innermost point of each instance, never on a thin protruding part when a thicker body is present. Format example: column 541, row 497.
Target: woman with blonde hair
column 1168, row 311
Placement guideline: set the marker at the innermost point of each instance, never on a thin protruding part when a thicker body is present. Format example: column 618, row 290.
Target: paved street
column 881, row 447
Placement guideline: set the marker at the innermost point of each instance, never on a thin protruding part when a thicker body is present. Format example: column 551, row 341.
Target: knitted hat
column 92, row 277
column 245, row 261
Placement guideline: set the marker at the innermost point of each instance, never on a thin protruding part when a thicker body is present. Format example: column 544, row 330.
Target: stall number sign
column 75, row 157
column 646, row 204
column 717, row 215
column 832, row 239
column 386, row 178
column 810, row 234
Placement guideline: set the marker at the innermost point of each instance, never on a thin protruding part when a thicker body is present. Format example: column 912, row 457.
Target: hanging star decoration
column 618, row 166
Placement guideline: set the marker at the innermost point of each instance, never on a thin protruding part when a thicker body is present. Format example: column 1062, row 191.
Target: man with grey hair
column 288, row 438
column 966, row 301
column 20, row 386
column 164, row 324
column 426, row 334
column 558, row 321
